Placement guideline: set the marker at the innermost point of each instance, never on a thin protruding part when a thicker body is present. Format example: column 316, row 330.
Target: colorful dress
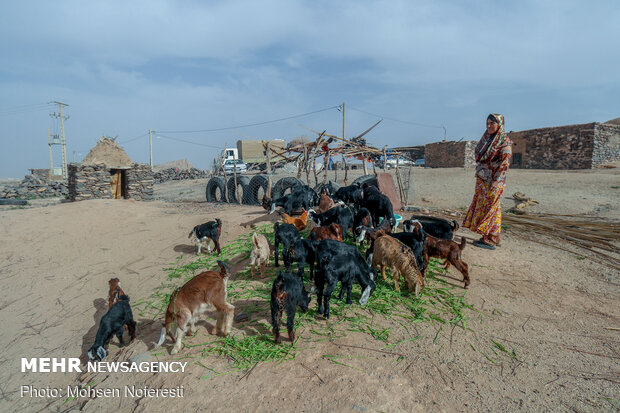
column 493, row 154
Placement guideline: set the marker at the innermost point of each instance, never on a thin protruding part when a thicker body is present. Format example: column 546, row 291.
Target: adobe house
column 584, row 146
column 107, row 172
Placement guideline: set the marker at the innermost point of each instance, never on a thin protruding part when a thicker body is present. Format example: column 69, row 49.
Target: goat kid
column 341, row 215
column 285, row 234
column 114, row 291
column 113, row 324
column 451, row 252
column 287, row 294
column 303, row 252
column 338, row 261
column 208, row 231
column 194, row 299
column 391, row 253
column 260, row 253
column 437, row 227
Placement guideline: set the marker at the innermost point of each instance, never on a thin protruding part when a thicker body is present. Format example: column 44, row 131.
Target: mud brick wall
column 450, row 154
column 606, row 144
column 93, row 181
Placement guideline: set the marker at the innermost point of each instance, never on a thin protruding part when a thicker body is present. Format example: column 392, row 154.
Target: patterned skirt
column 485, row 213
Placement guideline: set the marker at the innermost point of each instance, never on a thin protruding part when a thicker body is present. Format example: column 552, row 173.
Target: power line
column 15, row 110
column 133, row 139
column 186, row 141
column 398, row 120
column 253, row 124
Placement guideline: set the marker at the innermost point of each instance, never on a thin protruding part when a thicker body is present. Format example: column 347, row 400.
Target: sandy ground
column 558, row 311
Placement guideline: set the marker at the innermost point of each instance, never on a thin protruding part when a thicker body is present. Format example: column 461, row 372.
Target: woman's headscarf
column 489, row 145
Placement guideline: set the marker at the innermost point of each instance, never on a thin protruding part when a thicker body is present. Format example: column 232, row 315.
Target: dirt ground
column 554, row 311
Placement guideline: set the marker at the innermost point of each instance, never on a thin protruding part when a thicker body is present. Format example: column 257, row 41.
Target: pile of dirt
column 109, row 153
column 181, row 165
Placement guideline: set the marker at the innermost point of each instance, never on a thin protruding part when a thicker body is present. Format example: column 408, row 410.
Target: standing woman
column 493, row 154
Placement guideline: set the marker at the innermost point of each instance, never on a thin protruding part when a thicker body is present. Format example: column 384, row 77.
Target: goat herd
column 360, row 209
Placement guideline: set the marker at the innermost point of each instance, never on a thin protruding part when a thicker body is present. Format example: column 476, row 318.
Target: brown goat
column 331, row 231
column 450, row 251
column 390, row 252
column 114, row 291
column 325, row 202
column 193, row 299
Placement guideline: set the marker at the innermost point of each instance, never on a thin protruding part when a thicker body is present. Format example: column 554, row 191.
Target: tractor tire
column 215, row 183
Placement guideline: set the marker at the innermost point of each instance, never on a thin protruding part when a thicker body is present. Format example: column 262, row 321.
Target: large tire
column 250, row 197
column 243, row 182
column 367, row 179
column 215, row 183
column 284, row 184
column 334, row 185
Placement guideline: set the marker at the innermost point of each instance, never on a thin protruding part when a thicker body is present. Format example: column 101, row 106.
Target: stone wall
column 93, row 181
column 176, row 174
column 449, row 154
column 412, row 152
column 140, row 182
column 563, row 147
column 35, row 186
column 606, row 144
column 468, row 155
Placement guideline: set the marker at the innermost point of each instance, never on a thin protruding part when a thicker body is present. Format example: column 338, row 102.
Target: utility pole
column 62, row 136
column 151, row 147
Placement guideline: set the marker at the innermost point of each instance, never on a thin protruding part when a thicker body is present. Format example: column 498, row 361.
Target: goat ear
column 101, row 353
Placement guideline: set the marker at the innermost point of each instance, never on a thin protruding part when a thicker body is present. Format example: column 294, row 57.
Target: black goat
column 340, row 215
column 210, row 230
column 303, row 251
column 301, row 196
column 362, row 218
column 350, row 195
column 437, row 227
column 338, row 261
column 287, row 294
column 285, row 234
column 112, row 324
column 378, row 204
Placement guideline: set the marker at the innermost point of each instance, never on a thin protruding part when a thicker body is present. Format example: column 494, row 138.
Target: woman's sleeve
column 504, row 156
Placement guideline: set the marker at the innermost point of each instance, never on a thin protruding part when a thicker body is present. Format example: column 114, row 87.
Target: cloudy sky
column 199, row 72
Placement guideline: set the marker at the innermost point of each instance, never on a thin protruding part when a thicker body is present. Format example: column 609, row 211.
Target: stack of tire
column 250, row 188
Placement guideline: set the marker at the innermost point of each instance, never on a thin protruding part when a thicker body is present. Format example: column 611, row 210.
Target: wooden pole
column 268, row 154
column 384, row 159
column 364, row 163
column 346, row 169
column 306, row 159
column 235, row 177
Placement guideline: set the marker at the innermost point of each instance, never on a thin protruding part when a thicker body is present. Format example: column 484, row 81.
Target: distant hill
column 182, row 164
column 613, row 122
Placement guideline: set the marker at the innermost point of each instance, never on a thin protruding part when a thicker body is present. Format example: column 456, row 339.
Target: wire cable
column 398, row 120
column 186, row 141
column 253, row 124
column 133, row 139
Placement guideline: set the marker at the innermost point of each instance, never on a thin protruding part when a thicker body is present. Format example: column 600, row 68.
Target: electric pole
column 151, row 147
column 62, row 136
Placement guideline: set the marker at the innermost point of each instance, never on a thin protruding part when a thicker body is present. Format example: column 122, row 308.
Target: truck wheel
column 257, row 190
column 242, row 183
column 283, row 185
column 216, row 184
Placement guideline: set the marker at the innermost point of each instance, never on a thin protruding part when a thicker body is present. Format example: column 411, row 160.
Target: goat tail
column 190, row 234
column 223, row 268
column 162, row 337
column 463, row 243
column 255, row 240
